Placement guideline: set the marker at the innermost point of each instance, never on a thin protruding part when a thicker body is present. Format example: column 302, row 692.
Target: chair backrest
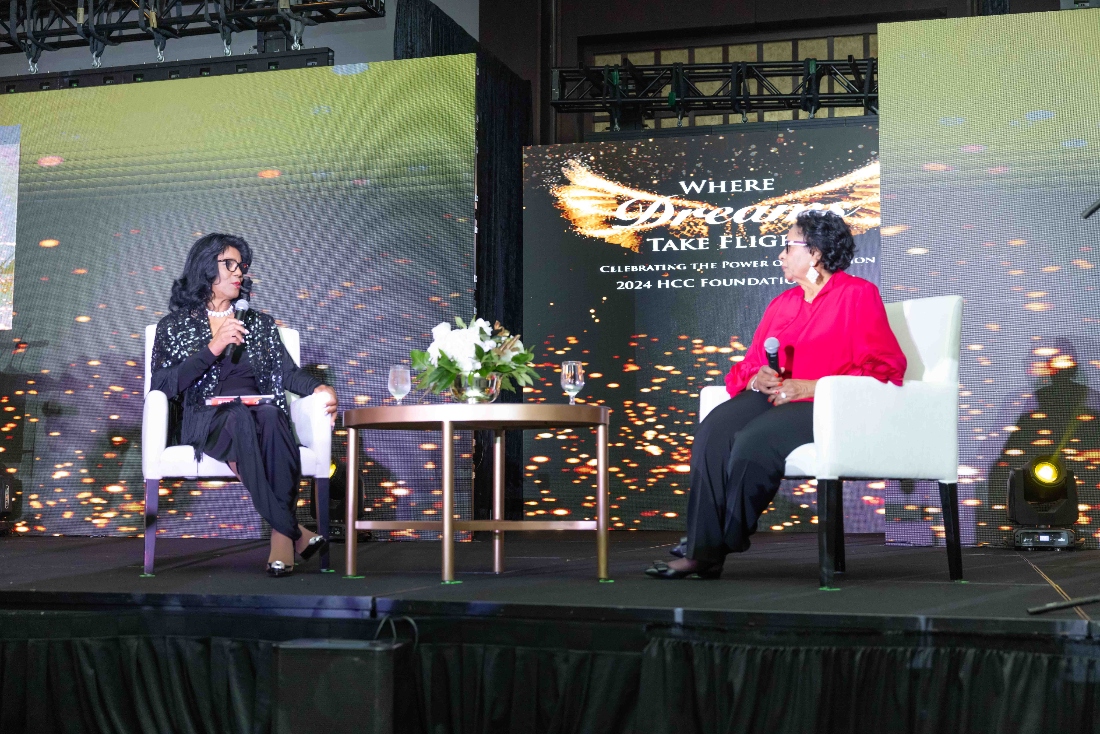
column 291, row 340
column 929, row 331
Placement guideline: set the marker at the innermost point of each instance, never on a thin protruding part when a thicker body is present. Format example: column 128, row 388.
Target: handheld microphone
column 771, row 348
column 239, row 309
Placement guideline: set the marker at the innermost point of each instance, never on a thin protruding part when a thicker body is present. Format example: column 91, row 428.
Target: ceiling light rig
column 629, row 93
column 32, row 27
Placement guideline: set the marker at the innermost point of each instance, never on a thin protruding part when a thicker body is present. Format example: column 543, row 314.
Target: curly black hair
column 192, row 290
column 828, row 233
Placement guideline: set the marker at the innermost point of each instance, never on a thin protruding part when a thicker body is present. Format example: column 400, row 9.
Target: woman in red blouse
column 832, row 324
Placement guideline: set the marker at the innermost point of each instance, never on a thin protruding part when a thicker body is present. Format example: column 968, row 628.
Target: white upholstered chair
column 865, row 429
column 161, row 461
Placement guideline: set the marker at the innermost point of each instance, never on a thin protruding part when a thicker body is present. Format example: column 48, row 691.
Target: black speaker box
column 335, row 686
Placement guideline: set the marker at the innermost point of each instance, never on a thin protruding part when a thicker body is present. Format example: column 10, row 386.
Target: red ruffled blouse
column 843, row 332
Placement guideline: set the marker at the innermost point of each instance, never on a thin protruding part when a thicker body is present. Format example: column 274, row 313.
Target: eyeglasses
column 233, row 265
column 801, row 243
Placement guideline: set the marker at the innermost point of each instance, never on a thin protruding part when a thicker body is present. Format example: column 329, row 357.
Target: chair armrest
column 710, row 398
column 313, row 426
column 154, row 433
column 864, row 428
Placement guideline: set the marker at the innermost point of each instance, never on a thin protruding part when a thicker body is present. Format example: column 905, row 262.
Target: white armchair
column 864, row 429
column 161, row 461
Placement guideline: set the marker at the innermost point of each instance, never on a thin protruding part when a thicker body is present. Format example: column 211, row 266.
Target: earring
column 813, row 275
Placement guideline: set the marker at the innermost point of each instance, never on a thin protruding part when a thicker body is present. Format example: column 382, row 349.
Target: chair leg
column 827, row 491
column 321, row 502
column 152, row 500
column 839, row 527
column 949, row 504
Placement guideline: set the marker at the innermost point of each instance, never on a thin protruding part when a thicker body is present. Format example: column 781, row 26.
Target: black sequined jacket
column 181, row 334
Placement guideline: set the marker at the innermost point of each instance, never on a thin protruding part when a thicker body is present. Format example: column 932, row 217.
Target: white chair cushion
column 310, row 466
column 802, row 462
column 179, row 462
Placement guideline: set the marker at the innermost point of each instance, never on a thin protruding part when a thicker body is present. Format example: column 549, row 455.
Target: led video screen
column 9, row 198
column 354, row 186
column 651, row 261
column 989, row 154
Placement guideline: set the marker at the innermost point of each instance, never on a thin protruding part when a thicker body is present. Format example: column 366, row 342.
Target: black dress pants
column 737, row 462
column 261, row 442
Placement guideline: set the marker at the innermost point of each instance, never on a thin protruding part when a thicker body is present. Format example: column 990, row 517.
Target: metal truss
column 631, row 93
column 168, row 70
column 34, row 26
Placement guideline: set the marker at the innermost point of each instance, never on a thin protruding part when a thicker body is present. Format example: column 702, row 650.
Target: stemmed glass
column 572, row 380
column 400, row 381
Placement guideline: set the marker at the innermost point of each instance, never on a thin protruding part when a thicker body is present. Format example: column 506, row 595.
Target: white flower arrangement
column 475, row 350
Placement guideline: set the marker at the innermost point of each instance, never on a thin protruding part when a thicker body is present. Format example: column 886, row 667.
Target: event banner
column 354, row 186
column 985, row 180
column 651, row 261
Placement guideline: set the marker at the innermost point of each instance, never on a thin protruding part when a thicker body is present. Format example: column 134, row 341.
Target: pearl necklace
column 219, row 314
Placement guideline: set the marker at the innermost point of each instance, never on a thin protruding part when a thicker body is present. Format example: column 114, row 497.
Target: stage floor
column 554, row 574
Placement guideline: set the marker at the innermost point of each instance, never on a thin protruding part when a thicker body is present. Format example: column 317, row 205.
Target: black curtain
column 678, row 685
column 166, row 685
column 496, row 688
column 420, row 29
column 503, row 128
column 503, row 102
column 697, row 687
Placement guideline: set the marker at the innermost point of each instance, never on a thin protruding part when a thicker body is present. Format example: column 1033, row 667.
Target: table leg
column 350, row 534
column 498, row 500
column 601, row 501
column 448, row 538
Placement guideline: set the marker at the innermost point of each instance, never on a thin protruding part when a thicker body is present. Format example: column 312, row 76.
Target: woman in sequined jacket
column 201, row 351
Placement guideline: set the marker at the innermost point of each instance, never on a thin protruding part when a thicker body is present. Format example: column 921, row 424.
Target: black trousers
column 737, row 463
column 260, row 440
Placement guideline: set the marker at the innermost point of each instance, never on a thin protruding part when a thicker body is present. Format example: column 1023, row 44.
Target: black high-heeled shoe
column 680, row 551
column 661, row 570
column 315, row 545
column 278, row 569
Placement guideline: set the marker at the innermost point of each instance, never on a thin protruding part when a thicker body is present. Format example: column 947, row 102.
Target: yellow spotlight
column 1046, row 472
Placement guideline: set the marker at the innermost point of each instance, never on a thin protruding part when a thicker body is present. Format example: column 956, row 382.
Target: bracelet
column 752, row 385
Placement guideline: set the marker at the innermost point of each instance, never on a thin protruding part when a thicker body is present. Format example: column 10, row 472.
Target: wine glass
column 400, row 381
column 572, row 379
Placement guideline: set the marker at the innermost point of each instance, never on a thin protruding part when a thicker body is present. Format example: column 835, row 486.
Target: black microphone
column 771, row 348
column 239, row 309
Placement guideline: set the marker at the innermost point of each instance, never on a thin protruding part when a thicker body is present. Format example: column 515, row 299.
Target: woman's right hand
column 231, row 331
column 766, row 381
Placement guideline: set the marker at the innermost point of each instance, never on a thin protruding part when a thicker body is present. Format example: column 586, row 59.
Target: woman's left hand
column 793, row 390
column 330, row 408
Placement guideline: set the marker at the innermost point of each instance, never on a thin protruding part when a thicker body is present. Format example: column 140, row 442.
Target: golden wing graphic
column 593, row 204
column 857, row 193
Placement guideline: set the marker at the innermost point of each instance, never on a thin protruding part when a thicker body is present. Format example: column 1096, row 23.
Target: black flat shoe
column 316, row 544
column 680, row 551
column 661, row 570
column 278, row 569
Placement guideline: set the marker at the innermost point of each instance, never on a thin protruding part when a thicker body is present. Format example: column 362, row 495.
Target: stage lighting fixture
column 1042, row 499
column 7, row 499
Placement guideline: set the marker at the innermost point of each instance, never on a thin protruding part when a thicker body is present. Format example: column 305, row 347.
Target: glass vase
column 473, row 389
